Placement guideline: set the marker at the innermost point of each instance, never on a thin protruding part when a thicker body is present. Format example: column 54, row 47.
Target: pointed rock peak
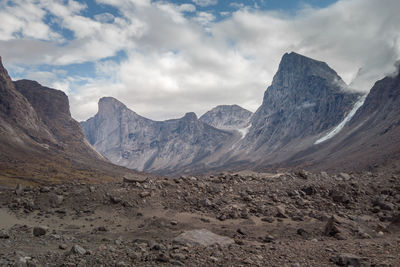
column 3, row 71
column 190, row 116
column 231, row 108
column 296, row 65
column 295, row 58
column 30, row 82
column 107, row 103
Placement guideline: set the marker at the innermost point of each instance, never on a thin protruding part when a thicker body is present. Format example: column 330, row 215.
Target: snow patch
column 244, row 131
column 340, row 126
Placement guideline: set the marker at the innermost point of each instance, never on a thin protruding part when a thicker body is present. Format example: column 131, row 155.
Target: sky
column 165, row 58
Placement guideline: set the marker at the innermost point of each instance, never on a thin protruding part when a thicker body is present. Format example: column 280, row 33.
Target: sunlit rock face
column 227, row 117
column 131, row 140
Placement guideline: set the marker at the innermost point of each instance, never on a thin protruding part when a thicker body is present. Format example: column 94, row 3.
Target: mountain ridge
column 131, row 140
column 40, row 142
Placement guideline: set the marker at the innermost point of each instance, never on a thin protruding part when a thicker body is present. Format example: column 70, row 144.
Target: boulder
column 40, row 230
column 4, row 234
column 129, row 178
column 203, row 237
column 347, row 259
column 76, row 249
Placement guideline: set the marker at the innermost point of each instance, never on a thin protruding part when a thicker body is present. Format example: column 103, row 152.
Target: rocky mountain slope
column 369, row 140
column 237, row 219
column 305, row 101
column 40, row 141
column 306, row 98
column 227, row 117
column 131, row 140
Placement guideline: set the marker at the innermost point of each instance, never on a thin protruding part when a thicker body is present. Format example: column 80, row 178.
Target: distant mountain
column 40, row 141
column 306, row 101
column 164, row 147
column 227, row 117
column 370, row 139
column 306, row 98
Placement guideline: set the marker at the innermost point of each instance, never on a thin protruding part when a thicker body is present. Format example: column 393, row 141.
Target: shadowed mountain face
column 306, row 98
column 131, row 140
column 371, row 139
column 227, row 117
column 52, row 107
column 39, row 140
column 17, row 114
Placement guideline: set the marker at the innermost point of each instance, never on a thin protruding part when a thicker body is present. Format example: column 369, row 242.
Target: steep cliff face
column 369, row 140
column 131, row 140
column 39, row 140
column 305, row 99
column 17, row 114
column 227, row 117
column 52, row 107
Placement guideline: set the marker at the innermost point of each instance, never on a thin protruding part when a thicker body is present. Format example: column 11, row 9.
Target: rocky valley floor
column 239, row 219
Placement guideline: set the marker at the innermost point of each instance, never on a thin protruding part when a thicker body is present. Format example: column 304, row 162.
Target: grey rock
column 157, row 246
column 176, row 263
column 121, row 264
column 76, row 249
column 4, row 234
column 295, row 107
column 339, row 196
column 40, row 230
column 44, row 189
column 280, row 212
column 332, row 227
column 144, row 194
column 133, row 141
column 268, row 238
column 384, row 205
column 115, row 199
column 178, row 256
column 227, row 117
column 19, row 189
column 325, row 175
column 345, row 176
column 347, row 259
column 203, row 237
column 129, row 178
column 162, row 257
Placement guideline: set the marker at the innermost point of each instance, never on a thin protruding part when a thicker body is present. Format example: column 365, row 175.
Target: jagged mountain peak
column 110, row 105
column 306, row 98
column 294, row 66
column 162, row 146
column 227, row 117
column 108, row 101
column 295, row 58
column 4, row 77
column 190, row 116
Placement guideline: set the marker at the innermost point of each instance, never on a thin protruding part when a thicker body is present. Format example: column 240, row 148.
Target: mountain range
column 301, row 122
column 309, row 118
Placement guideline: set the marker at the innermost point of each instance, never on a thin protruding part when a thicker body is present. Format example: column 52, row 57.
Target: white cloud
column 204, row 19
column 104, row 17
column 187, row 8
column 204, row 3
column 178, row 62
